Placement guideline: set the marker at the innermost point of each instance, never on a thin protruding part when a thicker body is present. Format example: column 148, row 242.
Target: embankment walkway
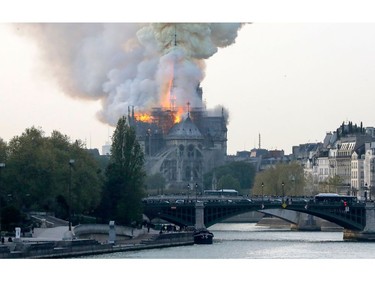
column 58, row 242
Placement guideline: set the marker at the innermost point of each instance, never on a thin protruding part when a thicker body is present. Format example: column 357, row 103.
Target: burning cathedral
column 181, row 139
column 151, row 72
column 181, row 147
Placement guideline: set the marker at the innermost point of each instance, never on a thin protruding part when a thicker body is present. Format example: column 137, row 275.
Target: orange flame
column 143, row 117
column 178, row 115
column 166, row 88
column 177, row 119
column 166, row 94
column 167, row 102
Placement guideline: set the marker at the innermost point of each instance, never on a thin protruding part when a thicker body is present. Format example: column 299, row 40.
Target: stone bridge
column 357, row 218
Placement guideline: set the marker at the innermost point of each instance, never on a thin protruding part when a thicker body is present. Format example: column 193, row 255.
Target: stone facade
column 182, row 151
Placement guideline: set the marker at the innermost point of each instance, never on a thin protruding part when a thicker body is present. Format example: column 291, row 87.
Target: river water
column 248, row 241
column 244, row 248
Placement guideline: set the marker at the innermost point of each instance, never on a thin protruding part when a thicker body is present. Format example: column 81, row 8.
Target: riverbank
column 58, row 242
column 60, row 247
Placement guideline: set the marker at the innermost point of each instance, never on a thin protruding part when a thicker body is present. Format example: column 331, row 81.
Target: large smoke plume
column 129, row 64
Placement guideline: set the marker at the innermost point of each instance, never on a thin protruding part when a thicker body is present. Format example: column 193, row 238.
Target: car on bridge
column 245, row 200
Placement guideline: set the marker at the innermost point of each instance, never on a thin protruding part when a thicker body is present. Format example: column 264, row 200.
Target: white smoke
column 129, row 64
column 219, row 110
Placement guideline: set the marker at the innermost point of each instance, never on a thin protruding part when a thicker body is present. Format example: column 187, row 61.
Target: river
column 280, row 249
column 248, row 241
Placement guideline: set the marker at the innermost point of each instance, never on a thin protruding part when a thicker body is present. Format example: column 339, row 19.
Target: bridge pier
column 199, row 215
column 298, row 220
column 368, row 233
column 306, row 222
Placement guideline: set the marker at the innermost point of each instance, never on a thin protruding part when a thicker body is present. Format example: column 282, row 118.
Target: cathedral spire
column 175, row 36
column 188, row 106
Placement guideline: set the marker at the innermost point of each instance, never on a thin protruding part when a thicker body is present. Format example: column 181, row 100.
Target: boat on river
column 203, row 236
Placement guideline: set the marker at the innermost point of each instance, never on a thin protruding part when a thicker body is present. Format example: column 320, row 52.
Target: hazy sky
column 288, row 82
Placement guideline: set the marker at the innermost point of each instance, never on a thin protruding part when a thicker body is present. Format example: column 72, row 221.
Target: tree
column 125, row 174
column 334, row 182
column 228, row 182
column 11, row 217
column 87, row 180
column 290, row 174
column 3, row 149
column 155, row 183
column 3, row 160
column 243, row 172
column 37, row 174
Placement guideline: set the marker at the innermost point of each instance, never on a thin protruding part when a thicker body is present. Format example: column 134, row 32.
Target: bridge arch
column 352, row 217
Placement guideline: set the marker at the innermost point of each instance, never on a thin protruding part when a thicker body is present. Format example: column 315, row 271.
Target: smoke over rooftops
column 129, row 64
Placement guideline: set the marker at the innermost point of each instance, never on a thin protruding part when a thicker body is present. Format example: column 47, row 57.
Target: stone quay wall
column 84, row 247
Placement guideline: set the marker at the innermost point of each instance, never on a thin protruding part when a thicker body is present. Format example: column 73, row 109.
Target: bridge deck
column 180, row 210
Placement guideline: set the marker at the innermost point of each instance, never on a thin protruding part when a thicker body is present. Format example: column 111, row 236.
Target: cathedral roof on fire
column 185, row 130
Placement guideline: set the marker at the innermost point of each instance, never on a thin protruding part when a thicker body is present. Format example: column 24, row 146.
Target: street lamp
column 366, row 192
column 196, row 192
column 262, row 191
column 282, row 189
column 2, row 165
column 71, row 162
column 188, row 187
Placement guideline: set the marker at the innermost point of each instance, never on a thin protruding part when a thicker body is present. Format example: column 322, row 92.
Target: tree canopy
column 155, row 184
column 37, row 174
column 237, row 175
column 125, row 176
column 291, row 174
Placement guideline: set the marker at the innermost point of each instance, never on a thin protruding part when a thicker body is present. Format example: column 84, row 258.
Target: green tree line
column 36, row 176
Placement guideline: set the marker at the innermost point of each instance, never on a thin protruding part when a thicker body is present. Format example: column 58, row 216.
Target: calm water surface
column 248, row 241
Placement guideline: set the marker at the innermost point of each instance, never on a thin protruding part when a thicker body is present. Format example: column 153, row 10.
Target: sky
column 284, row 82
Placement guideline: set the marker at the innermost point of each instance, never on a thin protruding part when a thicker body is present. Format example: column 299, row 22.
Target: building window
column 181, row 149
column 190, row 151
